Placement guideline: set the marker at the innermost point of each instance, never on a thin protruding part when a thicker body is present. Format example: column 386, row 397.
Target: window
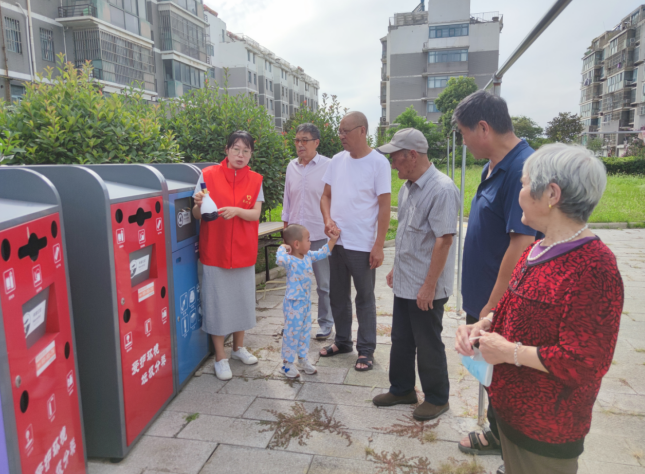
column 255, row 79
column 270, row 67
column 266, row 84
column 615, row 83
column 435, row 82
column 47, row 44
column 253, row 58
column 223, row 36
column 271, row 86
column 210, row 49
column 248, row 55
column 16, row 93
column 211, row 73
column 446, row 31
column 12, row 28
column 306, row 86
column 250, row 78
column 448, row 56
column 432, row 108
column 613, row 46
column 271, row 103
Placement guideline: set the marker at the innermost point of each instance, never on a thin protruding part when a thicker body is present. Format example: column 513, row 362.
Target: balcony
column 593, row 128
column 408, row 19
column 183, row 36
column 82, row 16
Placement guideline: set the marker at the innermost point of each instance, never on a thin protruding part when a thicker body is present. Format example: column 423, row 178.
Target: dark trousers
column 416, row 334
column 345, row 266
column 490, row 414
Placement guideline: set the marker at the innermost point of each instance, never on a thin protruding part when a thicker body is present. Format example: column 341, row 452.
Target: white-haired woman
column 553, row 333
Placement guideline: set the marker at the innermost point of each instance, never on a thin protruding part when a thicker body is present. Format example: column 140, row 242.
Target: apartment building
column 167, row 46
column 425, row 48
column 243, row 66
column 612, row 96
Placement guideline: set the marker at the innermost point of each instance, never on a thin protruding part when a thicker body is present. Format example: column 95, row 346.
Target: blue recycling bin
column 191, row 346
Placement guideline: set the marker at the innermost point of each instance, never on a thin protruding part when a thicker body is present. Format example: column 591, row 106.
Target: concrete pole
column 448, row 156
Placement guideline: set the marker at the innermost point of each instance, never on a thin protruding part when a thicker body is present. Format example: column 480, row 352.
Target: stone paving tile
column 227, row 430
column 262, row 388
column 267, row 326
column 333, row 465
column 259, row 408
column 211, row 403
column 169, row 424
column 325, row 375
column 341, row 395
column 264, row 368
column 162, row 454
column 630, row 404
column 340, row 360
column 613, row 425
column 594, row 467
column 614, row 449
column 331, row 444
column 236, row 459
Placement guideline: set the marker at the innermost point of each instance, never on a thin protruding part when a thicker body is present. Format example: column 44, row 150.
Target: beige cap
column 406, row 139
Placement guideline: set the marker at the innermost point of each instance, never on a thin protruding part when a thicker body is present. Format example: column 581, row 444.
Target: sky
column 337, row 43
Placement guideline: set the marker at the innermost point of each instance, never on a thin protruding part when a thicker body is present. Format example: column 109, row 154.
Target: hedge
column 634, row 165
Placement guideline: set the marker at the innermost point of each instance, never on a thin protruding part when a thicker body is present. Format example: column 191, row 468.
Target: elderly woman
column 552, row 336
column 228, row 248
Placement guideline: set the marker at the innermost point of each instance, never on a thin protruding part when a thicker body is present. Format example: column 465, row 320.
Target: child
column 296, row 258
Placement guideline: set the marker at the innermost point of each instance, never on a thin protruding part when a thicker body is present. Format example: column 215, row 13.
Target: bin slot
column 33, row 247
column 140, row 217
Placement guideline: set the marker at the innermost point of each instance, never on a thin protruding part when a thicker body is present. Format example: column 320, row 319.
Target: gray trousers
column 520, row 461
column 345, row 266
column 321, row 271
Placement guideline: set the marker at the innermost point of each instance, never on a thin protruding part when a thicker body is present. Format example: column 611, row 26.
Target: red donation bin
column 41, row 412
column 114, row 216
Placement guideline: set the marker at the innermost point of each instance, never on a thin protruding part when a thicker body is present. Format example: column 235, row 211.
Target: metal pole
column 535, row 33
column 481, row 418
column 448, row 156
column 461, row 227
column 454, row 153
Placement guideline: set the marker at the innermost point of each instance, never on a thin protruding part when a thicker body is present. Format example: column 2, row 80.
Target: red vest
column 230, row 243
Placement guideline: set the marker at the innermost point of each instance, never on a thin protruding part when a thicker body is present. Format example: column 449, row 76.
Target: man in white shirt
column 356, row 200
column 301, row 205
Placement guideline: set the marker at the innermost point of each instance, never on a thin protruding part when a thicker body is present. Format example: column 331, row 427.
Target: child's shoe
column 306, row 366
column 289, row 370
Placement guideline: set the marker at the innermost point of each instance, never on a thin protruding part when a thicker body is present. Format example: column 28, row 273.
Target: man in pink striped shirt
column 301, row 205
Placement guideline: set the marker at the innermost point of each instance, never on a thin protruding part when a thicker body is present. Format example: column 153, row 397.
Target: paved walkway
column 225, row 427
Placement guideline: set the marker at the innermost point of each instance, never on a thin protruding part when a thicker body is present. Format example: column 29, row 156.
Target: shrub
column 411, row 119
column 327, row 118
column 66, row 119
column 202, row 120
column 634, row 165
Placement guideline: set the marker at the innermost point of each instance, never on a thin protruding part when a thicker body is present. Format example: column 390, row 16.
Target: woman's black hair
column 243, row 135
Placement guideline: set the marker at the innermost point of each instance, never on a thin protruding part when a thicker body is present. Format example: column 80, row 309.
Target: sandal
column 365, row 360
column 476, row 447
column 329, row 351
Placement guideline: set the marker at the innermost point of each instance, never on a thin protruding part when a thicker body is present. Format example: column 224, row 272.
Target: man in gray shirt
column 422, row 276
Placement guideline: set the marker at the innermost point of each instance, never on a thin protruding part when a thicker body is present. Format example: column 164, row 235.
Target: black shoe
column 388, row 399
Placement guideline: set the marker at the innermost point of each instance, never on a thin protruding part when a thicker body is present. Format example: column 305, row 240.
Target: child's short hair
column 292, row 233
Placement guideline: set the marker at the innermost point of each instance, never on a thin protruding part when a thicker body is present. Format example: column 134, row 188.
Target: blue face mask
column 478, row 367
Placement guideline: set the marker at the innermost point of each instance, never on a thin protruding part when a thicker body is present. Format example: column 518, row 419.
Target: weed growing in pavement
column 396, row 462
column 461, row 467
column 300, row 423
column 639, row 349
column 192, row 417
column 421, row 430
column 384, row 330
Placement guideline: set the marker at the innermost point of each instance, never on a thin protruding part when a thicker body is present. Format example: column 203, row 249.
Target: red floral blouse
column 569, row 307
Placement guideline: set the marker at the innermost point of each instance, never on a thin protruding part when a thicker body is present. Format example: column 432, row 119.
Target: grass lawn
column 623, row 201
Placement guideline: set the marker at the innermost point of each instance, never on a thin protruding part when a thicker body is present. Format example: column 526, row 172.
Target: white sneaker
column 306, row 366
column 289, row 370
column 244, row 355
column 223, row 370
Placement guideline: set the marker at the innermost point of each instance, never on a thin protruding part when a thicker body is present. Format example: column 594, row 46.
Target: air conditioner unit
column 383, row 120
column 631, row 41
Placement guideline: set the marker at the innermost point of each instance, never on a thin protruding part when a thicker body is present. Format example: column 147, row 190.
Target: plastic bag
column 478, row 367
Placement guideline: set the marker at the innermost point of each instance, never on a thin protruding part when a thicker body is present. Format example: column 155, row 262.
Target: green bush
column 634, row 165
column 66, row 119
column 202, row 120
column 327, row 118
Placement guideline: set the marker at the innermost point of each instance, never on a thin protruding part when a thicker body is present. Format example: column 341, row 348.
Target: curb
column 273, row 274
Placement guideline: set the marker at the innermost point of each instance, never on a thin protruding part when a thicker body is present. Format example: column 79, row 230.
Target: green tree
column 457, row 89
column 327, row 118
column 528, row 130
column 565, row 128
column 411, row 119
column 203, row 119
column 595, row 145
column 66, row 119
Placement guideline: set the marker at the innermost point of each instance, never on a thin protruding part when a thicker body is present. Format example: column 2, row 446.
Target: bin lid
column 126, row 192
column 178, row 186
column 25, row 196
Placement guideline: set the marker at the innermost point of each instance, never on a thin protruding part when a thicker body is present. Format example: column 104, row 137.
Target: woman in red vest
column 228, row 248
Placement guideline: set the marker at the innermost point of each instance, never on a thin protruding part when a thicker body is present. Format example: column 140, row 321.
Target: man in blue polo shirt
column 496, row 236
